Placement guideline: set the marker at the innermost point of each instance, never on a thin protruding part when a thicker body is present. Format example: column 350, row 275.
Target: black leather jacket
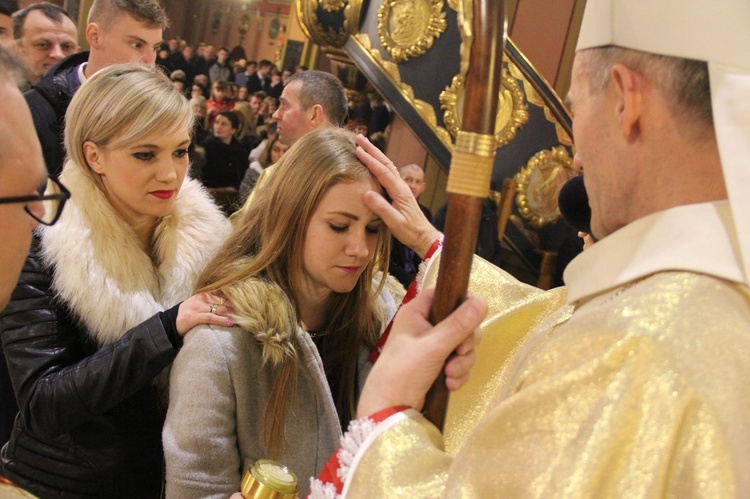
column 90, row 417
column 48, row 102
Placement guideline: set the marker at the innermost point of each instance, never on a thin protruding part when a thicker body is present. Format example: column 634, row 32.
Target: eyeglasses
column 53, row 196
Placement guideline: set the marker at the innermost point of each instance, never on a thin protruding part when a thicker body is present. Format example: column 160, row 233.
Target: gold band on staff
column 471, row 165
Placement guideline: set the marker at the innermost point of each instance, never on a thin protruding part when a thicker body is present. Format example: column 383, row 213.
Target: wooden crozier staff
column 470, row 172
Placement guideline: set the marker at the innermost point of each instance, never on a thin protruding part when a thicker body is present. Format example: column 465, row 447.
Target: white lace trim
column 425, row 264
column 351, row 441
column 321, row 490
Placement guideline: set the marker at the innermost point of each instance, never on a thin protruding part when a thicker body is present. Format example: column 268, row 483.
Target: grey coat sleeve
column 200, row 434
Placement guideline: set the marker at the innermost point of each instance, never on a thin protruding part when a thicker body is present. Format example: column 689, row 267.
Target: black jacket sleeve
column 60, row 378
column 49, row 129
column 397, row 265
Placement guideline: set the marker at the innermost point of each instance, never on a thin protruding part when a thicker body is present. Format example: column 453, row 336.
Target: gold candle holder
column 268, row 479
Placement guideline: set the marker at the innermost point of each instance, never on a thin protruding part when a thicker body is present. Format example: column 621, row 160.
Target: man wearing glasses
column 27, row 198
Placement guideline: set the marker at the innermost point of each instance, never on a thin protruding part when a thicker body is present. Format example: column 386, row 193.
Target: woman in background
column 196, row 153
column 270, row 156
column 105, row 295
column 220, row 100
column 226, row 161
column 246, row 133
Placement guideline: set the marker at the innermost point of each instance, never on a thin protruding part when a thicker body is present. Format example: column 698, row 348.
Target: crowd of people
column 245, row 92
column 153, row 346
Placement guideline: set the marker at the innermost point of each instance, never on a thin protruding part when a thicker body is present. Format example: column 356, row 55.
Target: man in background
column 285, row 75
column 404, row 261
column 183, row 60
column 7, row 8
column 44, row 35
column 310, row 100
column 200, row 62
column 260, row 79
column 375, row 113
column 174, row 45
column 22, row 172
column 220, row 70
column 118, row 31
column 241, row 79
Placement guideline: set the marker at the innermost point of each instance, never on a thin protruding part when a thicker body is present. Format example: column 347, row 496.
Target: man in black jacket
column 21, row 173
column 375, row 113
column 404, row 261
column 261, row 79
column 118, row 31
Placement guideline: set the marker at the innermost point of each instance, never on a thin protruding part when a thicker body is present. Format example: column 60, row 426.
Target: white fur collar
column 102, row 271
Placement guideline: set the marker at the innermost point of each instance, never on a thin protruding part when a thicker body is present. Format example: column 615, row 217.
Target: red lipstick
column 163, row 194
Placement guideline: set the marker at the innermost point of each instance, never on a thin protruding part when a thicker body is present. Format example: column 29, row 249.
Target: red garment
column 215, row 107
column 410, row 294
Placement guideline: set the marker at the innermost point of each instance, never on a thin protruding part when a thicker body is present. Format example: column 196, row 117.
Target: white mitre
column 717, row 32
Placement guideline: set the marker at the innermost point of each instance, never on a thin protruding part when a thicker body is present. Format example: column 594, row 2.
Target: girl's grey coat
column 220, row 383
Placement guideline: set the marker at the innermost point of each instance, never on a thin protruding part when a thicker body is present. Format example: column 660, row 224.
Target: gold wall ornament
column 539, row 183
column 512, row 111
column 519, row 65
column 465, row 19
column 533, row 97
column 331, row 37
column 562, row 134
column 333, row 5
column 408, row 28
column 390, row 69
column 340, row 20
column 244, row 26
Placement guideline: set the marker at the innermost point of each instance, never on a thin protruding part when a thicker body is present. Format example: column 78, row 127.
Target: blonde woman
column 272, row 153
column 303, row 268
column 105, row 295
column 246, row 133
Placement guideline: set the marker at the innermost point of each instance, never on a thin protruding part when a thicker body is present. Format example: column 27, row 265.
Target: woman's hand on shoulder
column 204, row 308
column 402, row 215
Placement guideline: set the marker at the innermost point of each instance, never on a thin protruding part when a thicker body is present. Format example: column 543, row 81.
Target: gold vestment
column 639, row 393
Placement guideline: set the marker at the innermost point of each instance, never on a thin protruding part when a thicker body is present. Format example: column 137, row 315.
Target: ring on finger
column 212, row 309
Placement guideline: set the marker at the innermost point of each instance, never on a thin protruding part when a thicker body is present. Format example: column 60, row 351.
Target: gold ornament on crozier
column 512, row 111
column 408, row 28
column 539, row 183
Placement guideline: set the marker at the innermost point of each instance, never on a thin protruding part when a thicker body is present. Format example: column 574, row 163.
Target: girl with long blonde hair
column 304, row 269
